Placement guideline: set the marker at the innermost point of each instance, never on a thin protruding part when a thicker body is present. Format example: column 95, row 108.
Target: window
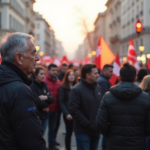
column 137, row 10
column 38, row 25
column 141, row 6
column 10, row 21
column 38, row 37
column 141, row 42
column 136, row 46
column 0, row 20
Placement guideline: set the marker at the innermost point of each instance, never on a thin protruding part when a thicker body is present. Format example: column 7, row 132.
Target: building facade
column 12, row 16
column 44, row 35
column 59, row 49
column 131, row 12
column 29, row 16
column 117, row 25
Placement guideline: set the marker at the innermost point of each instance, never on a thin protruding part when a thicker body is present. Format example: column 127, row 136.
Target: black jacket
column 124, row 117
column 20, row 128
column 61, row 76
column 41, row 89
column 104, row 83
column 84, row 101
column 64, row 99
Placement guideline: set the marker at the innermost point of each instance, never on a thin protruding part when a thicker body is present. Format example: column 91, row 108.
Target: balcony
column 141, row 12
column 114, row 39
column 114, row 22
column 118, row 19
column 110, row 25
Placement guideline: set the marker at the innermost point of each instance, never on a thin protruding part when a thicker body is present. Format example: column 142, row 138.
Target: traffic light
column 139, row 27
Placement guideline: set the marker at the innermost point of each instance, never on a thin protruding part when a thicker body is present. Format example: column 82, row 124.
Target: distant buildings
column 19, row 16
column 12, row 16
column 117, row 25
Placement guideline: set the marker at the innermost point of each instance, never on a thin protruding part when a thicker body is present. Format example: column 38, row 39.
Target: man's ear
column 18, row 58
column 135, row 79
column 87, row 75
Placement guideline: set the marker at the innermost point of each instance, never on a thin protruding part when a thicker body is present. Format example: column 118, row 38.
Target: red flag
column 0, row 60
column 65, row 60
column 76, row 63
column 57, row 61
column 97, row 60
column 104, row 54
column 132, row 55
column 148, row 64
column 47, row 59
column 115, row 70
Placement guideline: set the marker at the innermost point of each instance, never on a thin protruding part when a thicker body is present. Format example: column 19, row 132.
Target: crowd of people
column 33, row 98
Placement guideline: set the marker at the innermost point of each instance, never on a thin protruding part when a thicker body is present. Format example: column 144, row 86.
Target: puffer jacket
column 53, row 86
column 124, row 117
column 20, row 127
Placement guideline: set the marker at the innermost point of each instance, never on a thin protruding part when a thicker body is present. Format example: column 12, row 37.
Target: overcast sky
column 63, row 17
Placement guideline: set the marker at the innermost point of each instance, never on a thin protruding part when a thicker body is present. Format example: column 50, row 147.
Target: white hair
column 13, row 43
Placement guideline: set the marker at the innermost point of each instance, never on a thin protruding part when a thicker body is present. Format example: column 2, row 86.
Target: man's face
column 108, row 72
column 94, row 75
column 29, row 61
column 53, row 72
column 64, row 69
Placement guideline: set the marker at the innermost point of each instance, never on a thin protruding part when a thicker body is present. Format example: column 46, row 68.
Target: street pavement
column 61, row 137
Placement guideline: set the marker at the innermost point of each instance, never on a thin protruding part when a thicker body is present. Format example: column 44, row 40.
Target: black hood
column 10, row 73
column 125, row 90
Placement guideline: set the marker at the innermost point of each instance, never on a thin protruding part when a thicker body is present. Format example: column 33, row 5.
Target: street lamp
column 148, row 56
column 89, row 55
column 93, row 53
column 141, row 48
column 37, row 48
column 124, row 59
column 41, row 53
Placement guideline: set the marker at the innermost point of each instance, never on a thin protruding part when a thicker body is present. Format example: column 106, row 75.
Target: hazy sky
column 63, row 17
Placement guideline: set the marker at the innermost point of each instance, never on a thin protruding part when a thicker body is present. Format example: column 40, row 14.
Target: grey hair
column 13, row 43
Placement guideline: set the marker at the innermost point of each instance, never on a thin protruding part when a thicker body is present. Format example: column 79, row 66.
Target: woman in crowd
column 67, row 84
column 141, row 74
column 145, row 86
column 42, row 96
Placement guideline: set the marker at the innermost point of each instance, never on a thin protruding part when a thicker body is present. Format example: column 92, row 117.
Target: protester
column 145, row 86
column 77, row 73
column 64, row 69
column 84, row 101
column 141, row 74
column 124, row 113
column 103, row 81
column 20, row 127
column 53, row 84
column 42, row 96
column 67, row 84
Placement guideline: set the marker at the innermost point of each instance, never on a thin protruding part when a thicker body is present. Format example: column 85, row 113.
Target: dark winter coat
column 61, row 76
column 64, row 99
column 103, row 83
column 41, row 89
column 53, row 86
column 84, row 101
column 20, row 127
column 124, row 117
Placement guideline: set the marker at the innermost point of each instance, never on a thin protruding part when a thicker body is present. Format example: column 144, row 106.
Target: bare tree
column 84, row 24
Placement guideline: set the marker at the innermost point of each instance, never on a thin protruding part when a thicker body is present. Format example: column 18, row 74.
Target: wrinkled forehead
column 30, row 44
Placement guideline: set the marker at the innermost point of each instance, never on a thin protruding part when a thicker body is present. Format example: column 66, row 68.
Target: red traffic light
column 139, row 26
